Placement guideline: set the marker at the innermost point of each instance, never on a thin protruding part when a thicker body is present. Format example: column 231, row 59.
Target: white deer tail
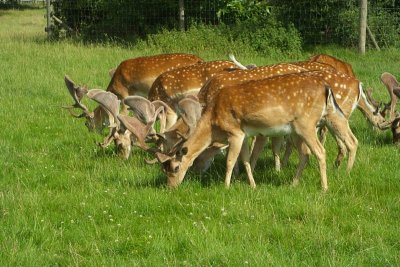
column 237, row 63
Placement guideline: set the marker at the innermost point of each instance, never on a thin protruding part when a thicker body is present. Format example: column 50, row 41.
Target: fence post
column 49, row 26
column 181, row 15
column 363, row 25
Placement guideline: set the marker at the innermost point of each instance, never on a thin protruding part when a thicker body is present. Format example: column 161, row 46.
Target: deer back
column 135, row 76
column 211, row 88
column 173, row 85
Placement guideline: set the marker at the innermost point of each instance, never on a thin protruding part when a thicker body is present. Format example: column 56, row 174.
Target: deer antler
column 147, row 112
column 77, row 93
column 164, row 114
column 391, row 84
column 142, row 107
column 111, row 104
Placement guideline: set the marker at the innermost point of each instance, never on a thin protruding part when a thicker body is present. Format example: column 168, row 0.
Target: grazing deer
column 288, row 104
column 131, row 77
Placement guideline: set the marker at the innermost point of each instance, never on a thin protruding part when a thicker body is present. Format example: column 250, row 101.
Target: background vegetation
column 272, row 24
column 63, row 201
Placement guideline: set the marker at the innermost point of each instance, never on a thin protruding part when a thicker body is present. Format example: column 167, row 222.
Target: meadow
column 66, row 202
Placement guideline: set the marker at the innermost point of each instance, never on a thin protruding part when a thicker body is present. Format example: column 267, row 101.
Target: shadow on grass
column 264, row 173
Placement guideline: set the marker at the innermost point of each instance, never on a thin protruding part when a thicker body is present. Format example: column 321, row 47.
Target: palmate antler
column 148, row 114
column 393, row 87
column 111, row 104
column 77, row 93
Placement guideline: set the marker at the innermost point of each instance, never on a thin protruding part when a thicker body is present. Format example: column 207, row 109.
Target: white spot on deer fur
column 338, row 96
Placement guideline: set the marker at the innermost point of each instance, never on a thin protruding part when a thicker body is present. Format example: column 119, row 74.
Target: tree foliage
column 272, row 22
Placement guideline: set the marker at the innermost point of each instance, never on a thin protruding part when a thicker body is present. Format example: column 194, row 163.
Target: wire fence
column 132, row 19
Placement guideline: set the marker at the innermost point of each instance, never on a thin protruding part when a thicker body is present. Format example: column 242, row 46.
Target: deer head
column 168, row 142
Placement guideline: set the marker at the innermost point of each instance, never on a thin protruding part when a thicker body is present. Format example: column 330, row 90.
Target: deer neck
column 369, row 111
column 199, row 141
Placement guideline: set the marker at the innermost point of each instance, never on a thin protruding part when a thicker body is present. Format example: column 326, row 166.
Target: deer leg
column 245, row 157
column 310, row 138
column 235, row 144
column 258, row 146
column 276, row 147
column 204, row 160
column 304, row 153
column 339, row 126
column 288, row 151
column 323, row 131
column 342, row 151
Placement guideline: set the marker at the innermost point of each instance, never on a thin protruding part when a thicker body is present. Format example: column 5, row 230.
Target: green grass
column 63, row 201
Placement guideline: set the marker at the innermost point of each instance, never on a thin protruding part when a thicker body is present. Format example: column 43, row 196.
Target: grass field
column 64, row 202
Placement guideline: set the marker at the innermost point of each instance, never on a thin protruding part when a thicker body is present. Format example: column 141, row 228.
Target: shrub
column 223, row 39
column 197, row 39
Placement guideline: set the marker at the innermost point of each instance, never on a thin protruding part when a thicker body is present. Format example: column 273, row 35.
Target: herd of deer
column 205, row 107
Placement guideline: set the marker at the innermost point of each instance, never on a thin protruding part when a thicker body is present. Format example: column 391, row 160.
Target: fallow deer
column 131, row 77
column 287, row 104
